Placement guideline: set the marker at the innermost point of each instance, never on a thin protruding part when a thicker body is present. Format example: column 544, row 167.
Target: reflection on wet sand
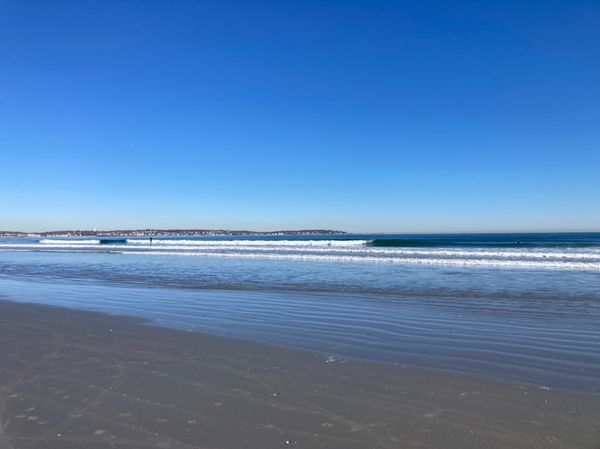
column 73, row 379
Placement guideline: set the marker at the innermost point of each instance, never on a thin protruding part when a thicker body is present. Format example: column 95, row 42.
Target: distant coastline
column 167, row 232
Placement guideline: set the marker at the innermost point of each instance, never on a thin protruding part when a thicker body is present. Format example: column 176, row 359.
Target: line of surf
column 476, row 253
column 327, row 243
column 69, row 242
column 526, row 264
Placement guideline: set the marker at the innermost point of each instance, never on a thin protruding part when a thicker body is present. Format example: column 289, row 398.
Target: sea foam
column 359, row 250
column 69, row 242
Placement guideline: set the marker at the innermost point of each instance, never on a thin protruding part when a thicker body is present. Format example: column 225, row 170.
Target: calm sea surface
column 522, row 307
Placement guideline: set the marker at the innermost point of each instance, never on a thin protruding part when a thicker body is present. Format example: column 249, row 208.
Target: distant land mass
column 166, row 232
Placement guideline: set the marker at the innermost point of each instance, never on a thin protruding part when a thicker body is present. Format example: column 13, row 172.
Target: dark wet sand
column 71, row 379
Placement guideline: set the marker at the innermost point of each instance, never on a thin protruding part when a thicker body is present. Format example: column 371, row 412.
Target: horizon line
column 310, row 231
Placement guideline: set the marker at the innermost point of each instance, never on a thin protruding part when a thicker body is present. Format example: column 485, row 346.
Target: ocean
column 519, row 307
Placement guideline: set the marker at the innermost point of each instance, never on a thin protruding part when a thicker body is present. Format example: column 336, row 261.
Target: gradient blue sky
column 358, row 115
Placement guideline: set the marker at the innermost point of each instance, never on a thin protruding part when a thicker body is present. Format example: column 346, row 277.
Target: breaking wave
column 459, row 262
column 69, row 242
column 392, row 250
column 314, row 243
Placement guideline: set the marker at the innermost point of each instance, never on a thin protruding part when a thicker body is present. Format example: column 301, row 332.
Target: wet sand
column 71, row 379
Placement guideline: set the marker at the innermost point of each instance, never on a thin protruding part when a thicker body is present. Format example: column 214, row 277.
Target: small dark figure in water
column 150, row 239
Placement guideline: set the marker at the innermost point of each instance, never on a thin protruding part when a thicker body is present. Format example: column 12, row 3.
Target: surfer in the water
column 150, row 239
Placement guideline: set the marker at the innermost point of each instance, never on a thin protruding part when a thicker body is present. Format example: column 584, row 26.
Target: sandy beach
column 71, row 379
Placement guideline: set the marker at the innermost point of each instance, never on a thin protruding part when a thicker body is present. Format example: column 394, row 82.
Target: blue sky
column 385, row 116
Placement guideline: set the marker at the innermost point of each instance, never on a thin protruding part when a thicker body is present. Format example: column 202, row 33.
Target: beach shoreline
column 83, row 379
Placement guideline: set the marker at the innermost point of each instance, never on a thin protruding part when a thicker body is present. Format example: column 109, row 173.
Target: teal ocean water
column 522, row 307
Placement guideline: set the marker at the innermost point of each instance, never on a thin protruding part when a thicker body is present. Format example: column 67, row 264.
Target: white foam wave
column 525, row 264
column 69, row 242
column 273, row 243
column 223, row 246
column 332, row 250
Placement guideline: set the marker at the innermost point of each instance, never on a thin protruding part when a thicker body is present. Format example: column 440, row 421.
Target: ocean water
column 521, row 307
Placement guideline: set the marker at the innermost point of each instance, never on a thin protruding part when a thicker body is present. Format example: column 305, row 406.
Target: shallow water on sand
column 538, row 324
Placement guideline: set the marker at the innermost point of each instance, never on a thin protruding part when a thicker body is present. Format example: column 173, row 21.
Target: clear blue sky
column 358, row 115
